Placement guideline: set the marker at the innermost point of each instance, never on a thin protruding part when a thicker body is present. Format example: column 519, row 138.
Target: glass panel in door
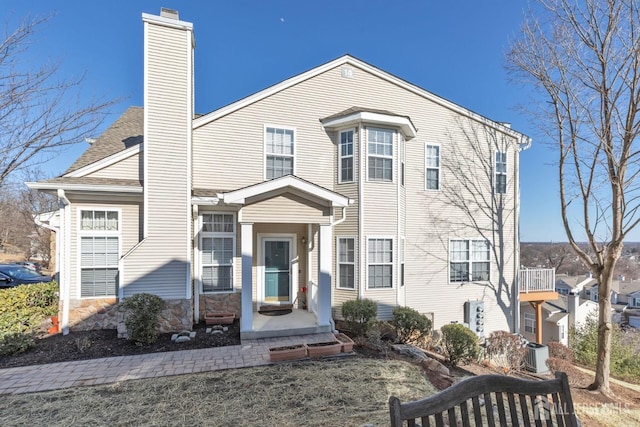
column 277, row 271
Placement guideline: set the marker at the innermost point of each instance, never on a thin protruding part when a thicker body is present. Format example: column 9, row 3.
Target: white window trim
column 393, row 145
column 528, row 317
column 264, row 147
column 212, row 234
column 505, row 173
column 354, row 263
column 439, row 168
column 80, row 233
column 470, row 260
column 340, row 156
column 635, row 301
column 394, row 272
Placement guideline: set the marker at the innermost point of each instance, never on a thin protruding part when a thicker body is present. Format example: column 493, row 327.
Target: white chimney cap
column 169, row 13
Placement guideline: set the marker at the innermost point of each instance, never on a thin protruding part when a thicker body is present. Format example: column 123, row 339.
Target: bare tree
column 39, row 111
column 583, row 59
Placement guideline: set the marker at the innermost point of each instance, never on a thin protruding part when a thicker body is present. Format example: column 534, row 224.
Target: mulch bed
column 84, row 345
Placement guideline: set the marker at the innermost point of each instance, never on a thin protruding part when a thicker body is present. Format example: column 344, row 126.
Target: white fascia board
column 403, row 123
column 83, row 187
column 107, row 161
column 240, row 196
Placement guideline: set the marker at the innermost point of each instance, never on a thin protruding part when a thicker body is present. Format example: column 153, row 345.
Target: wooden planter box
column 347, row 343
column 289, row 352
column 219, row 318
column 324, row 348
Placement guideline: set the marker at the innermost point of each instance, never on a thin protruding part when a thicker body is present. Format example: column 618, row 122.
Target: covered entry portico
column 286, row 240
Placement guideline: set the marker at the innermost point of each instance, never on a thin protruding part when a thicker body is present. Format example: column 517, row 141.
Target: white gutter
column 65, row 259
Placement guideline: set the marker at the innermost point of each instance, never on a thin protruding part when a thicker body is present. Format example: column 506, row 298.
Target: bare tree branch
column 40, row 112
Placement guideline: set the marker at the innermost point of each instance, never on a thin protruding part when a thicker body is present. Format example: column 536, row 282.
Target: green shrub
column 16, row 342
column 141, row 318
column 360, row 315
column 410, row 326
column 460, row 343
column 584, row 342
column 23, row 310
column 506, row 350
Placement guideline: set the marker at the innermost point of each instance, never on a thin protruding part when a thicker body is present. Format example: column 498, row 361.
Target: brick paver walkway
column 28, row 379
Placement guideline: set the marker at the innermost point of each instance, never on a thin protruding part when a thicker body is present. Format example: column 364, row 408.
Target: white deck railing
column 537, row 280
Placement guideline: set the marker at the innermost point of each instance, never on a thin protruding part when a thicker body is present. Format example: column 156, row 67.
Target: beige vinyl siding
column 160, row 265
column 432, row 221
column 129, row 168
column 286, row 208
column 129, row 229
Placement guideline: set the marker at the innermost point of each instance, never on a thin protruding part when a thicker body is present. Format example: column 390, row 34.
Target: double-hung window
column 99, row 253
column 218, row 250
column 469, row 260
column 380, row 263
column 529, row 323
column 380, row 154
column 346, row 263
column 501, row 172
column 346, row 156
column 432, row 162
column 279, row 152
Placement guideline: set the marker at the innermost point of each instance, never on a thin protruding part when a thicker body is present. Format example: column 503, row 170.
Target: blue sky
column 454, row 49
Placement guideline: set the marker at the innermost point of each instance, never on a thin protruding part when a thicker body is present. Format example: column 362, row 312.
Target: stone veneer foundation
column 104, row 313
column 221, row 302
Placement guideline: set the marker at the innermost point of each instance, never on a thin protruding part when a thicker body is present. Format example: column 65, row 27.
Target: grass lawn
column 346, row 392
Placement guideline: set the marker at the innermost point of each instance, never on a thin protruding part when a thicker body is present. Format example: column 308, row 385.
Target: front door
column 277, row 270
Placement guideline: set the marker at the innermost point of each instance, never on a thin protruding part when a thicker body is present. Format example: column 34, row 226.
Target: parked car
column 12, row 275
column 30, row 265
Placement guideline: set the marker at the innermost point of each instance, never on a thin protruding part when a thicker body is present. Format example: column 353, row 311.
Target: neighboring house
column 332, row 185
column 566, row 285
column 558, row 316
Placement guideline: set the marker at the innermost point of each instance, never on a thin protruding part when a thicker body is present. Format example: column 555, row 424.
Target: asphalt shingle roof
column 124, row 133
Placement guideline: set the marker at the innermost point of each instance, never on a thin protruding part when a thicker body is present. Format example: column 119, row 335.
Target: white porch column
column 246, row 319
column 324, row 275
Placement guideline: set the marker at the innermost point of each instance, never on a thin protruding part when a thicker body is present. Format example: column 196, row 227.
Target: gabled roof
column 286, row 183
column 355, row 62
column 126, row 132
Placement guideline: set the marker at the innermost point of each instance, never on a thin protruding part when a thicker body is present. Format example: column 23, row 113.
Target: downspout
column 196, row 267
column 522, row 145
column 65, row 264
column 361, row 246
column 333, row 224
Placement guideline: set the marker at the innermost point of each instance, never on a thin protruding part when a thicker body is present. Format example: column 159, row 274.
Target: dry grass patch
column 348, row 392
